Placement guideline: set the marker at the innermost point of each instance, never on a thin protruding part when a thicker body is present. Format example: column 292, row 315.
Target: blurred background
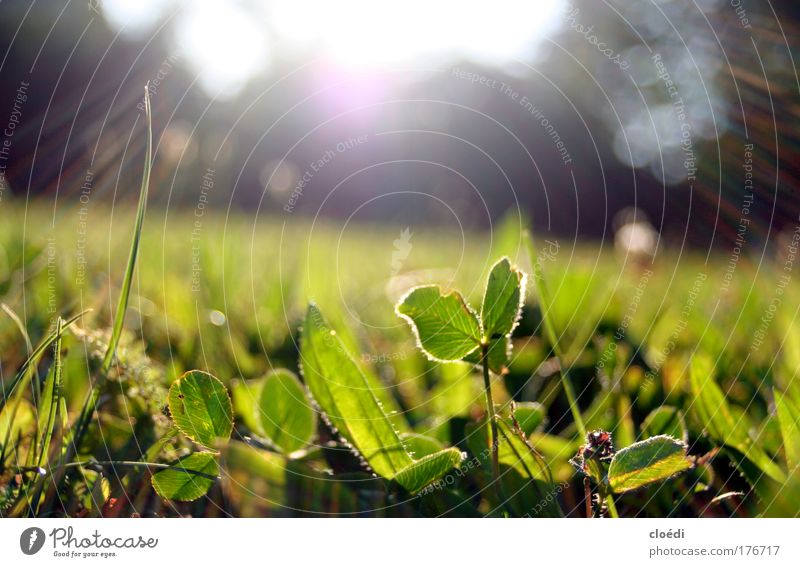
column 445, row 113
column 345, row 151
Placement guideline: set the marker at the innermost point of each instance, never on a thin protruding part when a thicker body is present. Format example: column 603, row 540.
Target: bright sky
column 227, row 42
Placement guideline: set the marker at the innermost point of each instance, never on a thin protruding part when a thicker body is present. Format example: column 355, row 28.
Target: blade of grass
column 48, row 408
column 49, row 403
column 26, row 370
column 550, row 331
column 122, row 304
column 23, row 331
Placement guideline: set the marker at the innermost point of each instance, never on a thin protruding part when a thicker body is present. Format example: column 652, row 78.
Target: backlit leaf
column 428, row 469
column 652, row 460
column 446, row 328
column 530, row 415
column 789, row 420
column 287, row 419
column 201, row 408
column 499, row 351
column 720, row 420
column 188, row 479
column 344, row 395
column 420, row 446
column 502, row 302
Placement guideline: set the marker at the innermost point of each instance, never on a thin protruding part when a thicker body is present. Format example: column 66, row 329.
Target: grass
column 624, row 342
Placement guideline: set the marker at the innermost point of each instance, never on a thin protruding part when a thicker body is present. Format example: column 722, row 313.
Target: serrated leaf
column 287, row 419
column 502, row 302
column 188, row 479
column 446, row 328
column 346, row 399
column 646, row 462
column 720, row 420
column 665, row 420
column 201, row 408
column 428, row 470
column 789, row 419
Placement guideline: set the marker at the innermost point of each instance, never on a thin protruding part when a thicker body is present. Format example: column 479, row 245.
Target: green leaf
column 287, row 419
column 26, row 371
column 530, row 415
column 245, row 395
column 428, row 470
column 49, row 402
column 446, row 328
column 201, row 408
column 502, row 302
column 789, row 420
column 188, row 479
column 499, row 351
column 346, row 399
column 720, row 420
column 646, row 462
column 419, row 446
column 665, row 420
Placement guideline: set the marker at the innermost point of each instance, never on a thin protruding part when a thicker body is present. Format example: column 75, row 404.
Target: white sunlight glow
column 227, row 42
column 223, row 44
column 370, row 33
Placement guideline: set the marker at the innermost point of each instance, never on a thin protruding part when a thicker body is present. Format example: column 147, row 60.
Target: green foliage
column 127, row 281
column 446, row 328
column 287, row 418
column 549, row 329
column 529, row 415
column 722, row 424
column 652, row 460
column 498, row 353
column 665, row 420
column 201, row 408
column 419, row 446
column 428, row 469
column 188, row 479
column 789, row 420
column 405, row 415
column 346, row 399
column 28, row 368
column 49, row 403
column 354, row 412
column 525, row 485
column 502, row 302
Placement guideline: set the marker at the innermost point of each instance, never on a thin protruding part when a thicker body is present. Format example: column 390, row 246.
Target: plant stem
column 612, row 508
column 487, row 383
column 135, row 464
column 587, row 495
